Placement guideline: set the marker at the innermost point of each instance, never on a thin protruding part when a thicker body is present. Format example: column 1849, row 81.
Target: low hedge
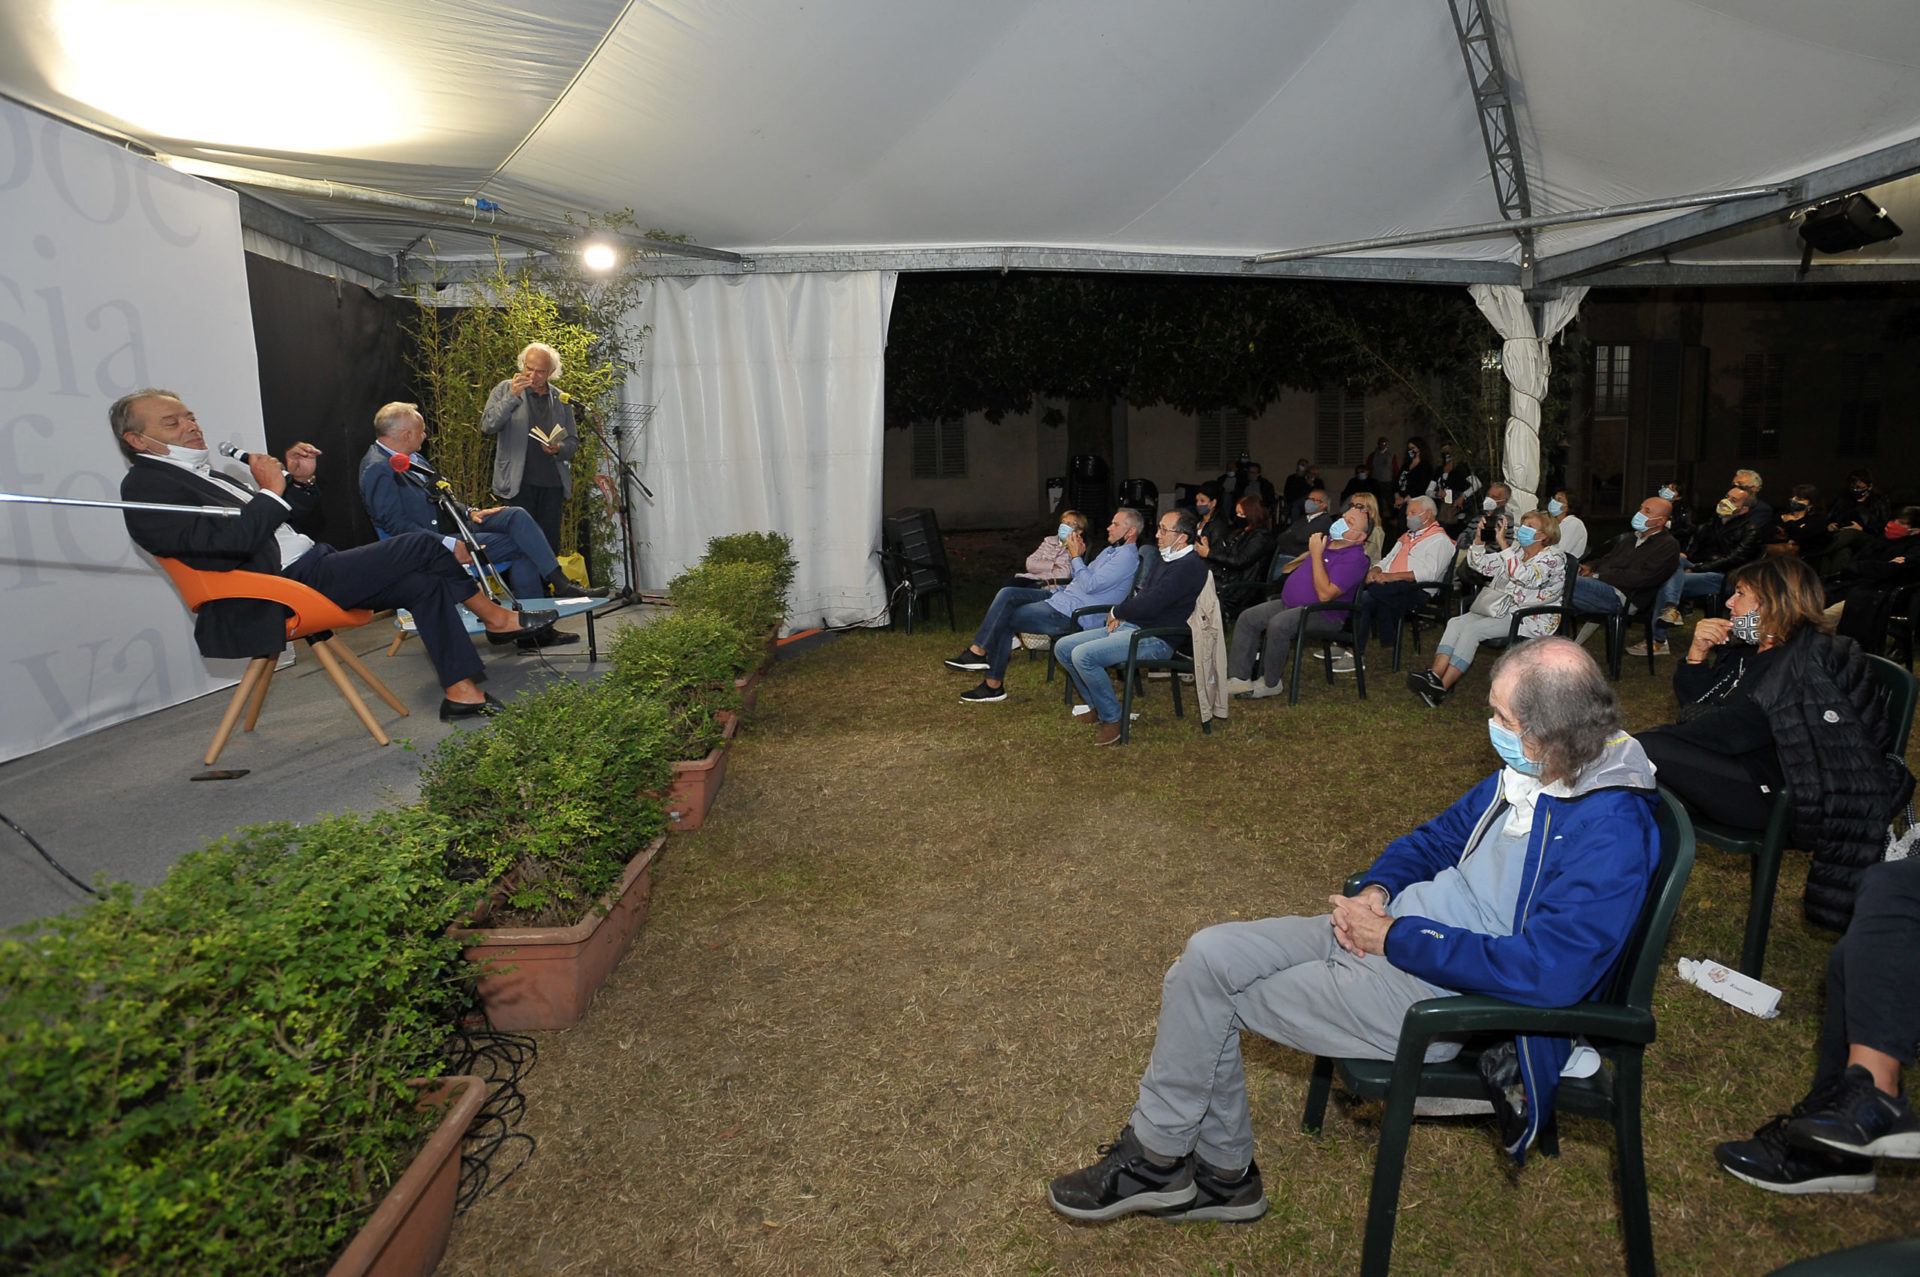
column 208, row 1079
column 769, row 548
column 742, row 592
column 557, row 787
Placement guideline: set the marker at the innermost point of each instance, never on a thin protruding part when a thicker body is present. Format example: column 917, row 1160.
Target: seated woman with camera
column 1530, row 572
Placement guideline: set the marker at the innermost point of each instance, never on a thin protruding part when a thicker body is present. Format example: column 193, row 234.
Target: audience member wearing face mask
column 1768, row 698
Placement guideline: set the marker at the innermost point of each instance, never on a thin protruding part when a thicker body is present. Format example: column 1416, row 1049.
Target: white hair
column 546, row 350
column 393, row 418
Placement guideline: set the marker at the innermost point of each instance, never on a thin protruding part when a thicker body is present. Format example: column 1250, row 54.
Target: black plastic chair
column 1436, row 611
column 1178, row 637
column 1618, row 1024
column 1899, row 691
column 921, row 579
column 1344, row 636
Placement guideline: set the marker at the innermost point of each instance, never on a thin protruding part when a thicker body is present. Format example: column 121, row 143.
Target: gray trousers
column 1283, row 978
column 1272, row 626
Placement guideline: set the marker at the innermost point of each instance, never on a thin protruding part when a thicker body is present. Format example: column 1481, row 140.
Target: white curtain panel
column 115, row 274
column 767, row 394
column 1524, row 357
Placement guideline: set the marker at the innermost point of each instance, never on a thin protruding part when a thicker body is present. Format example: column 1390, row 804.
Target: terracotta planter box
column 409, row 1229
column 749, row 690
column 697, row 784
column 544, row 977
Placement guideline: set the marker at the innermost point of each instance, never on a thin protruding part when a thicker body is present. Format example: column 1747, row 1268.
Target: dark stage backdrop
column 330, row 354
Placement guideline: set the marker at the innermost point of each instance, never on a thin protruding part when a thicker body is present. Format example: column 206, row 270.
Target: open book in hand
column 548, row 438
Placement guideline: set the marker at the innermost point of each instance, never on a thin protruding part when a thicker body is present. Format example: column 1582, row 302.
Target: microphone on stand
column 418, row 471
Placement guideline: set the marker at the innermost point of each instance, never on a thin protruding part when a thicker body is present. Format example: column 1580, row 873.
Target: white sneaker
column 1342, row 661
column 1235, row 686
column 1261, row 691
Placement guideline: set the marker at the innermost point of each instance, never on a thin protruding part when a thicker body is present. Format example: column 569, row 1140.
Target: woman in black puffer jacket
column 1782, row 702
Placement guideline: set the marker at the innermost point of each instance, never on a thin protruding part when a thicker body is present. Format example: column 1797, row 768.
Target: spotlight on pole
column 1844, row 224
column 598, row 256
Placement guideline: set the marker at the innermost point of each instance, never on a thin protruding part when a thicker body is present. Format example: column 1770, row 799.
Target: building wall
column 1008, row 463
column 1813, row 330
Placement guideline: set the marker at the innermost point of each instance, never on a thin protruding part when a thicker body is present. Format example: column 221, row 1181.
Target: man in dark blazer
column 417, row 572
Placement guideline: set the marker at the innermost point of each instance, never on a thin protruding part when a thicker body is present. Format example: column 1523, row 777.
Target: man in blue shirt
column 1101, row 583
column 398, row 505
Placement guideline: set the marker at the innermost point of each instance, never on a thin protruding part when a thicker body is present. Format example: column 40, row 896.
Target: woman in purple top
column 1336, row 565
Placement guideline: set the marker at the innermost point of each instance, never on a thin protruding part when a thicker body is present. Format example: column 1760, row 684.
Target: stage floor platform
column 120, row 801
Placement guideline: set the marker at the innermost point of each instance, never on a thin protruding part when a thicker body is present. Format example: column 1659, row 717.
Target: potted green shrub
column 743, row 592
column 213, row 1078
column 552, row 804
column 690, row 660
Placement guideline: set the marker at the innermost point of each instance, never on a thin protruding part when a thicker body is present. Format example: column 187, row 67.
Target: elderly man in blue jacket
column 398, row 505
column 1528, row 889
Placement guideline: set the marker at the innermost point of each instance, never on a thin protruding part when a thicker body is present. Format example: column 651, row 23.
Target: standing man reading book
column 534, row 424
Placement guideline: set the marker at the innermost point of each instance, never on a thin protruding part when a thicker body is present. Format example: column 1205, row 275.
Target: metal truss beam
column 1751, row 274
column 258, row 215
column 1487, row 77
column 1394, row 270
column 1875, row 168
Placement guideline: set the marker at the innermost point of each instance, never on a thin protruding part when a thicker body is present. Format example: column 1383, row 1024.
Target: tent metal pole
column 1487, row 230
column 346, row 193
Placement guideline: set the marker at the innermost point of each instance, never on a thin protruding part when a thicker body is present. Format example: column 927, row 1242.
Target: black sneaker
column 984, row 693
column 1768, row 1161
column 1121, row 1182
column 1860, row 1119
column 967, row 660
column 1232, row 1201
column 1428, row 688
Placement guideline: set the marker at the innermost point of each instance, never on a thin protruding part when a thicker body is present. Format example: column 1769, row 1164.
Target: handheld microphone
column 402, row 463
column 233, row 451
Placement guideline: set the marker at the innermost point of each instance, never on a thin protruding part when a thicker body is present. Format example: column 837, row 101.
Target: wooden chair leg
column 399, row 637
column 259, row 697
column 379, row 689
column 323, row 650
column 255, row 668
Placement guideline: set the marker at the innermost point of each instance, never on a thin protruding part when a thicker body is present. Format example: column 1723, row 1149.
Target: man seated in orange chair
column 417, row 572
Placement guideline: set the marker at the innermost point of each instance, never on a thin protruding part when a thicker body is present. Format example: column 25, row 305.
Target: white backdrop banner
column 768, row 411
column 115, row 273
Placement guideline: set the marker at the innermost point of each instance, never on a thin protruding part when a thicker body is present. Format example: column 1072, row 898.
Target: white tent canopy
column 1094, row 133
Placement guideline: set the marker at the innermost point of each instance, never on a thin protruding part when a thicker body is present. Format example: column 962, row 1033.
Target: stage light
column 225, row 73
column 1842, row 225
column 598, row 257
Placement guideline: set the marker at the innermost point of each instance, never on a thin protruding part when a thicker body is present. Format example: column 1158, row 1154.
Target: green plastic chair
column 1898, row 691
column 1895, row 1257
column 1619, row 1025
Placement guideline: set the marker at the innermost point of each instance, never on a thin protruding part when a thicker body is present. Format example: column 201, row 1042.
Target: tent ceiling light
column 598, row 256
column 1842, row 225
column 229, row 74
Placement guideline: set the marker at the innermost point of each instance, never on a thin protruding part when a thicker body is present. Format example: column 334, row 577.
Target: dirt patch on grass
column 909, row 971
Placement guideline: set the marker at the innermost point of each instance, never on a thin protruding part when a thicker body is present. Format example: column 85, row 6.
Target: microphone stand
column 440, row 492
column 630, row 557
column 217, row 511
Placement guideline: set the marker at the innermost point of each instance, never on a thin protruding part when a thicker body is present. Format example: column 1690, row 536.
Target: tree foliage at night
column 987, row 342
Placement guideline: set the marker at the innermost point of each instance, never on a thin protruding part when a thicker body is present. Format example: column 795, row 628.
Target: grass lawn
column 909, row 971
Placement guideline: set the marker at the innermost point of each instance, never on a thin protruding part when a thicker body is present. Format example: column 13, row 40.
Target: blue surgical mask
column 1064, row 531
column 1668, row 494
column 1639, row 521
column 1555, row 508
column 1507, row 745
column 1745, row 629
column 1526, row 535
column 1311, row 508
column 1338, row 530
column 1414, row 523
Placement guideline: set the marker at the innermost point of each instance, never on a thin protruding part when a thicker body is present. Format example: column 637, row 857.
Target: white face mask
column 191, row 456
column 1489, row 505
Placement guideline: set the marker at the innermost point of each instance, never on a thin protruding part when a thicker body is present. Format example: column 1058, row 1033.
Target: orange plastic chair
column 315, row 618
